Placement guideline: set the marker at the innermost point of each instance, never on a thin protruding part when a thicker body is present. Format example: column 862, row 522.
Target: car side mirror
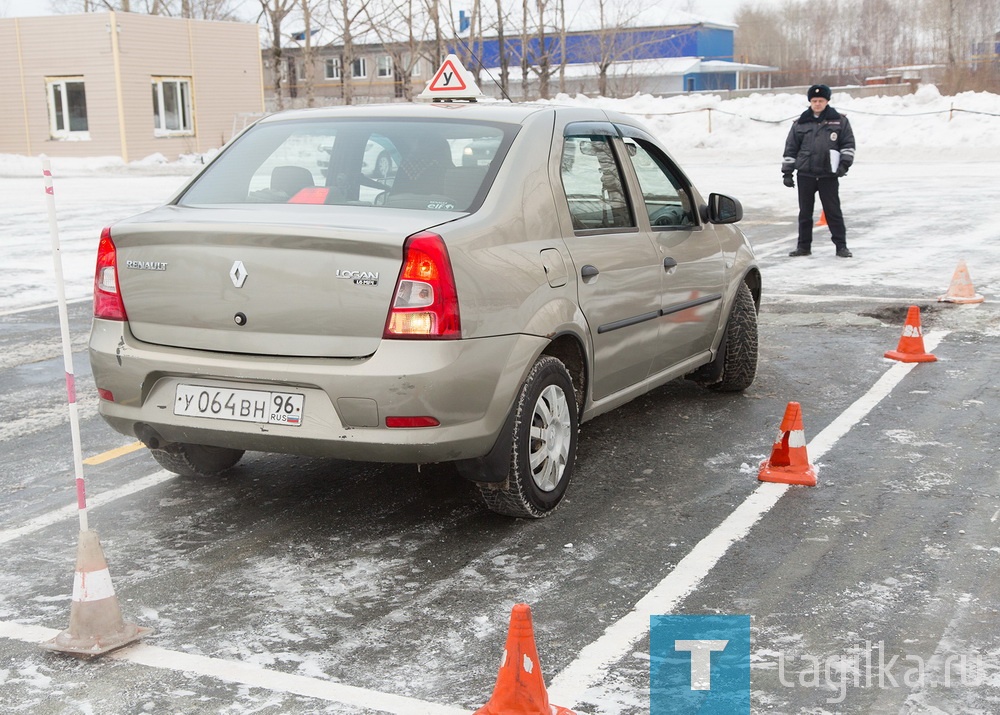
column 724, row 209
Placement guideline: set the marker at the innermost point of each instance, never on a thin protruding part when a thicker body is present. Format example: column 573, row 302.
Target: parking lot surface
column 297, row 585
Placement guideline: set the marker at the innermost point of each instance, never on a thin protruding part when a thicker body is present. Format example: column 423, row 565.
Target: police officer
column 808, row 151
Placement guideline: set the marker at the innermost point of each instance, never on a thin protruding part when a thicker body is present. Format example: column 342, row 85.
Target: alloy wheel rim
column 550, row 437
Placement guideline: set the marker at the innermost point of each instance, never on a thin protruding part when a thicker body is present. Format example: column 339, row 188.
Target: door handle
column 588, row 271
column 669, row 263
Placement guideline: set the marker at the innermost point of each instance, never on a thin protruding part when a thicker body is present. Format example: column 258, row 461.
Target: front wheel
column 739, row 367
column 195, row 460
column 543, row 447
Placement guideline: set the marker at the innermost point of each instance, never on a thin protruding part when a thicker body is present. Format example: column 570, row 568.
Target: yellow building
column 124, row 84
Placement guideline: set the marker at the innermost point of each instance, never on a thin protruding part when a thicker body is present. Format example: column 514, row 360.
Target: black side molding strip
column 691, row 304
column 635, row 320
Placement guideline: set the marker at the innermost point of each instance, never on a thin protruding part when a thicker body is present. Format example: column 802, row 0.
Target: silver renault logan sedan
column 507, row 273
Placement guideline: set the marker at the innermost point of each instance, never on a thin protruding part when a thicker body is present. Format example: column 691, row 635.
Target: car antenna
column 479, row 62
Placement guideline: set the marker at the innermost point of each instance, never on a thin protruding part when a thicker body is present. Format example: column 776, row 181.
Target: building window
column 415, row 70
column 67, row 108
column 332, row 68
column 171, row 106
column 384, row 66
column 359, row 68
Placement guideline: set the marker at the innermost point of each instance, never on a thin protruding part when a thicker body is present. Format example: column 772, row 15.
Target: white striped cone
column 789, row 461
column 95, row 619
column 911, row 343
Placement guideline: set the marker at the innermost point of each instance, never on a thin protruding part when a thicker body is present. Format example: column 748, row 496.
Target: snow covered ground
column 923, row 193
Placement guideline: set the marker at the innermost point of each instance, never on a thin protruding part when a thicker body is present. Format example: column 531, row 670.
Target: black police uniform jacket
column 807, row 148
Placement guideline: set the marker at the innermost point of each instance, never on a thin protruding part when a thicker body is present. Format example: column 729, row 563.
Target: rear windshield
column 415, row 164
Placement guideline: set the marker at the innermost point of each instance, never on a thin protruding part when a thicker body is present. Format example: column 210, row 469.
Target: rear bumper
column 467, row 385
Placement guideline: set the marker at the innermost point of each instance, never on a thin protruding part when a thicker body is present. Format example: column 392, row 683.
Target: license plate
column 242, row 405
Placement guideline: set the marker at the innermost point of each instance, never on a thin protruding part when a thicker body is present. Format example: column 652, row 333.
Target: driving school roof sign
column 452, row 81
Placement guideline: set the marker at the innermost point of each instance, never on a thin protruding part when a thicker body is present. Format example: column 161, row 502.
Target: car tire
column 196, row 460
column 543, row 450
column 739, row 365
column 383, row 165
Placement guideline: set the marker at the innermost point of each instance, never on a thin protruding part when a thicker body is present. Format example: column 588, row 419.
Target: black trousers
column 828, row 188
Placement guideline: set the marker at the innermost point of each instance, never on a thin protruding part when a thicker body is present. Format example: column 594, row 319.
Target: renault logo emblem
column 239, row 274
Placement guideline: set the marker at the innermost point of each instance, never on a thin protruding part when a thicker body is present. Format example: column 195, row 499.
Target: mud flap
column 711, row 373
column 495, row 465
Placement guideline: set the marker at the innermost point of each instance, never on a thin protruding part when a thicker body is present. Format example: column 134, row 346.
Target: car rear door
column 616, row 265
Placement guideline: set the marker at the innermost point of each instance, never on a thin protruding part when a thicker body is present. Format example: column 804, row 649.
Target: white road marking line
column 813, row 298
column 596, row 659
column 29, row 309
column 70, row 510
column 251, row 675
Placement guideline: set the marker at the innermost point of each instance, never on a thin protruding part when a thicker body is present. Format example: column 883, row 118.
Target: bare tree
column 469, row 51
column 525, row 61
column 617, row 39
column 308, row 54
column 274, row 13
column 563, row 59
column 401, row 26
column 851, row 40
column 502, row 49
column 543, row 57
column 345, row 16
column 434, row 13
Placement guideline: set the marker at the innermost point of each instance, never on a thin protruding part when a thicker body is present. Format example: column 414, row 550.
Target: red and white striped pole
column 74, row 415
column 96, row 625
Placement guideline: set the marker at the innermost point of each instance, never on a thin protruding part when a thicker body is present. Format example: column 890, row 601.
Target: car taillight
column 425, row 304
column 107, row 298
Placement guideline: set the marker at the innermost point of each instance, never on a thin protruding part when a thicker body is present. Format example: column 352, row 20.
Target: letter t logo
column 701, row 660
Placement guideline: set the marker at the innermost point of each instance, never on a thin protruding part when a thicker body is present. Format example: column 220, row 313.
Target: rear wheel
column 196, row 460
column 543, row 446
column 740, row 362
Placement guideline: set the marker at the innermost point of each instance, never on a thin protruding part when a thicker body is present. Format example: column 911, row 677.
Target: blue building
column 687, row 57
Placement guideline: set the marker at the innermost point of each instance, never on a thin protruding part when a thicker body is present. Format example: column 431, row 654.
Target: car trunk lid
column 270, row 280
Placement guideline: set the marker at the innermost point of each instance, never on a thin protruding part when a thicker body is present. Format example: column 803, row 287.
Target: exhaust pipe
column 149, row 436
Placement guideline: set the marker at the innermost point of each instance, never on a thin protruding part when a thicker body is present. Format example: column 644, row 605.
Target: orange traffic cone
column 822, row 219
column 911, row 343
column 961, row 290
column 95, row 618
column 520, row 689
column 789, row 463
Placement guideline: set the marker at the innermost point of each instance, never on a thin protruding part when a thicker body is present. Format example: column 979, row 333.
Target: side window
column 172, row 106
column 67, row 108
column 384, row 66
column 668, row 203
column 593, row 184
